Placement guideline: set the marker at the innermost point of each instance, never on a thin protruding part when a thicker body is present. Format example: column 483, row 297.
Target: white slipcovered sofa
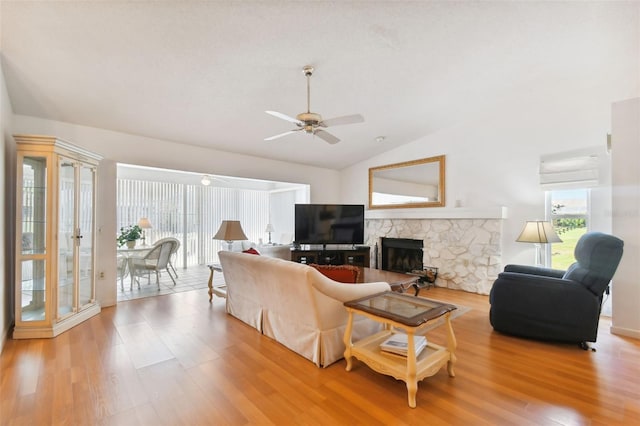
column 294, row 304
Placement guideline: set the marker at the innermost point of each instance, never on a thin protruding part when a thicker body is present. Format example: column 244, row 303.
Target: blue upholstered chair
column 550, row 304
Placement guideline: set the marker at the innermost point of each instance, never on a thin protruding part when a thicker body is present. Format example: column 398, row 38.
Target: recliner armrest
column 535, row 270
column 535, row 281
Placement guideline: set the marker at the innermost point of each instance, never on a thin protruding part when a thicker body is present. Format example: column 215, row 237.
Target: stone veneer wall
column 467, row 252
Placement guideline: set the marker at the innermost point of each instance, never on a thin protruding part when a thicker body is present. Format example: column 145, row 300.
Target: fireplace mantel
column 498, row 212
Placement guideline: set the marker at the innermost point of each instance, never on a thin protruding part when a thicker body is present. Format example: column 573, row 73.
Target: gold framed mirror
column 417, row 183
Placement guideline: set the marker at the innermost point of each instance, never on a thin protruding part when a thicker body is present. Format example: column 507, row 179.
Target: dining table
column 130, row 254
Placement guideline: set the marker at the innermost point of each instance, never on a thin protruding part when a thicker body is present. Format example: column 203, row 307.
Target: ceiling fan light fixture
column 380, row 139
column 309, row 118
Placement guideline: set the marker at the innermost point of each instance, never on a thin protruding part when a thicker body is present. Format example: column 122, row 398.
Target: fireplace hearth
column 401, row 254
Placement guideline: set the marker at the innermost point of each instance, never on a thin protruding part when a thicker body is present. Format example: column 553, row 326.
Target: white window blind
column 572, row 170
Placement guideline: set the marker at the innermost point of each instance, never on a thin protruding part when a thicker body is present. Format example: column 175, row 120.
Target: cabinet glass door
column 85, row 224
column 32, row 292
column 66, row 238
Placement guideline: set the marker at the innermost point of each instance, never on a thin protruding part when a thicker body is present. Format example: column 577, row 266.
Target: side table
column 411, row 315
column 220, row 290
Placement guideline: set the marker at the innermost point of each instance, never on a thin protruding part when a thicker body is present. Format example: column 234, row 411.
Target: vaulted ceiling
column 203, row 73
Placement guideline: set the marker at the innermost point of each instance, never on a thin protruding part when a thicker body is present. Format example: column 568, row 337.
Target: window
column 567, row 177
column 569, row 212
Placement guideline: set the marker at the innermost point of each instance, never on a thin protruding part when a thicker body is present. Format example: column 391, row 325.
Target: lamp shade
column 270, row 228
column 144, row 223
column 538, row 231
column 230, row 230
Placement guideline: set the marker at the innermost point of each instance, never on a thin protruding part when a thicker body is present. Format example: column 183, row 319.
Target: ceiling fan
column 312, row 123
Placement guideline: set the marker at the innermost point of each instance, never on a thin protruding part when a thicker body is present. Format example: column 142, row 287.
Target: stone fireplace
column 401, row 254
column 464, row 245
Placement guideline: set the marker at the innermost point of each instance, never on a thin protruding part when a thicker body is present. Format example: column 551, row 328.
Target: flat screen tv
column 329, row 223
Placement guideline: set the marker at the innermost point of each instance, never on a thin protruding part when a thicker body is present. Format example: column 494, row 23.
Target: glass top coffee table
column 401, row 313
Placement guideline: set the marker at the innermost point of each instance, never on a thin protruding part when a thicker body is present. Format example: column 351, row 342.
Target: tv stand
column 358, row 256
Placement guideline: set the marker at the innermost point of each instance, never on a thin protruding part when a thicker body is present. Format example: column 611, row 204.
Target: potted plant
column 129, row 235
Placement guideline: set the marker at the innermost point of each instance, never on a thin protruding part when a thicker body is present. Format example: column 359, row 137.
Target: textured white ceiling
column 203, row 73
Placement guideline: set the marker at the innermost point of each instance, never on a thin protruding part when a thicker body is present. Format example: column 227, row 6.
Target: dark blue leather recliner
column 549, row 304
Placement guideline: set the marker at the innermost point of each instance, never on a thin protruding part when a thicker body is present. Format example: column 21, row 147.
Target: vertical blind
column 192, row 214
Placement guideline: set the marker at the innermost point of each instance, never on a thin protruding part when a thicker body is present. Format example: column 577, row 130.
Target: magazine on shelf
column 397, row 344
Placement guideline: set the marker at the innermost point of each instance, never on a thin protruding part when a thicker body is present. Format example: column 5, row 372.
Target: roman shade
column 569, row 171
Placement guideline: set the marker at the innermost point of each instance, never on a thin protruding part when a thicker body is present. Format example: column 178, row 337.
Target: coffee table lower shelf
column 427, row 363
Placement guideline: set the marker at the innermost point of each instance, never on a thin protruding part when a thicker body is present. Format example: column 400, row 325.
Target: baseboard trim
column 627, row 332
column 5, row 337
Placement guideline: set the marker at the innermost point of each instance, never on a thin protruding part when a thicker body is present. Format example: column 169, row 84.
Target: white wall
column 119, row 147
column 282, row 214
column 492, row 160
column 625, row 148
column 7, row 185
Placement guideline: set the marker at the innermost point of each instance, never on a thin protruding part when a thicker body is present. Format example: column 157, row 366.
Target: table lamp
column 269, row 230
column 538, row 232
column 230, row 231
column 144, row 223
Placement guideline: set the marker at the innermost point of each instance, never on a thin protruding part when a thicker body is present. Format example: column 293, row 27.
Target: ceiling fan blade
column 345, row 119
column 326, row 136
column 281, row 135
column 285, row 117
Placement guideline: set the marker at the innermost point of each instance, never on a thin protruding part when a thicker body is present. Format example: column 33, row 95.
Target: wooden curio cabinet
column 55, row 236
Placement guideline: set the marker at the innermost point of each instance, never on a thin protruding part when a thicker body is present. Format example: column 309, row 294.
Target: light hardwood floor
column 175, row 359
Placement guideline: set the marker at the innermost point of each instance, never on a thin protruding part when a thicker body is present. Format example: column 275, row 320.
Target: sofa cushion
column 251, row 250
column 275, row 250
column 241, row 245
